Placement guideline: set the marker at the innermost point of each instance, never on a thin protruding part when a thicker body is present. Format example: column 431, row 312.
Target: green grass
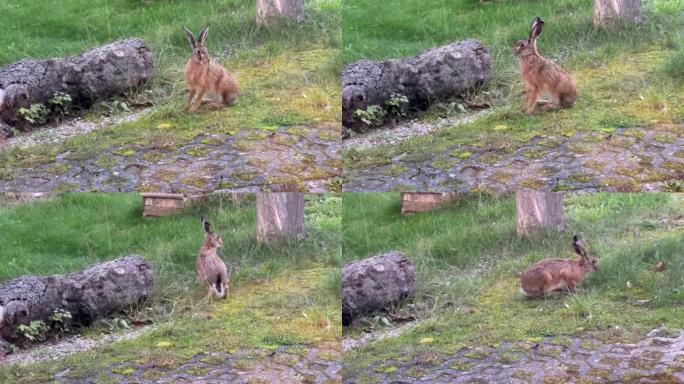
column 72, row 231
column 627, row 76
column 469, row 257
column 288, row 74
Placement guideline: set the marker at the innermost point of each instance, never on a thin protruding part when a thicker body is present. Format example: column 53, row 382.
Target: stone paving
column 286, row 365
column 659, row 358
column 302, row 158
column 629, row 159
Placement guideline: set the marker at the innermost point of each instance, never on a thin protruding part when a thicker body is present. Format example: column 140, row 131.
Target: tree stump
column 437, row 74
column 95, row 74
column 271, row 12
column 375, row 284
column 99, row 290
column 538, row 210
column 278, row 215
column 608, row 12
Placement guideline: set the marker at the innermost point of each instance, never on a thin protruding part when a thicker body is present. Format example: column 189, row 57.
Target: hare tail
column 218, row 287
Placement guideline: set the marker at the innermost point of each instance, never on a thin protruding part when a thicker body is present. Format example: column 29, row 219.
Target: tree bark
column 538, row 211
column 271, row 12
column 375, row 284
column 98, row 290
column 608, row 12
column 96, row 74
column 437, row 74
column 279, row 214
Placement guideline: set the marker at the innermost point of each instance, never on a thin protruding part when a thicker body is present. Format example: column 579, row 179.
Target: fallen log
column 375, row 284
column 96, row 74
column 98, row 290
column 437, row 74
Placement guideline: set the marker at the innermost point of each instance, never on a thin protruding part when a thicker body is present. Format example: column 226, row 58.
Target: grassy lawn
column 628, row 76
column 288, row 75
column 469, row 258
column 286, row 294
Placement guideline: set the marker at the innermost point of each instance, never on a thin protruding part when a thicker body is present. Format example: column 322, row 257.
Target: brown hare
column 211, row 270
column 550, row 275
column 205, row 77
column 541, row 75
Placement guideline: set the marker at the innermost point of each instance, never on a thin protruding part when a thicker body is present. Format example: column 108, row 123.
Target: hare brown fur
column 550, row 275
column 203, row 76
column 541, row 75
column 211, row 270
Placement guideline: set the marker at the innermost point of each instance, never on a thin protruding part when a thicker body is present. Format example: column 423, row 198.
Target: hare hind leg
column 191, row 97
column 210, row 293
column 226, row 290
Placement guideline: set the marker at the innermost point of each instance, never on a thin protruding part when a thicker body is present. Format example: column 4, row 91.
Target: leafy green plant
column 35, row 114
column 115, row 106
column 60, row 320
column 38, row 113
column 116, row 324
column 397, row 105
column 34, row 331
column 60, row 104
column 372, row 115
column 450, row 108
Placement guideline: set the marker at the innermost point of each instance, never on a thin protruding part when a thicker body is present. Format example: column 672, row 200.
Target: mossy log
column 437, row 74
column 375, row 284
column 95, row 74
column 98, row 290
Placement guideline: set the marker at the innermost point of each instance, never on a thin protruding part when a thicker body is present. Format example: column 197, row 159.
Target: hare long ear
column 579, row 246
column 190, row 36
column 536, row 27
column 207, row 226
column 203, row 35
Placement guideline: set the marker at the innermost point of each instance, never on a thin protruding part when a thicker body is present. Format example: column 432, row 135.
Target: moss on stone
column 443, row 163
column 66, row 187
column 244, row 145
column 674, row 165
column 386, row 368
column 461, row 154
column 58, row 168
column 285, row 140
column 416, row 372
column 461, row 365
column 126, row 152
column 394, row 170
column 599, row 372
column 489, row 157
column 531, row 183
column 198, row 151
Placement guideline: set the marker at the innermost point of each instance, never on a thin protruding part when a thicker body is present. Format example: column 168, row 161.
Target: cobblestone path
column 629, row 159
column 286, row 365
column 293, row 158
column 657, row 359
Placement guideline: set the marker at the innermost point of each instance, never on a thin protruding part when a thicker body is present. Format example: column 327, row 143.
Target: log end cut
column 375, row 284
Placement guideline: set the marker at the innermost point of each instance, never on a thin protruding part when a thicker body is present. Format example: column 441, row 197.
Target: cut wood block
column 162, row 204
column 422, row 201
